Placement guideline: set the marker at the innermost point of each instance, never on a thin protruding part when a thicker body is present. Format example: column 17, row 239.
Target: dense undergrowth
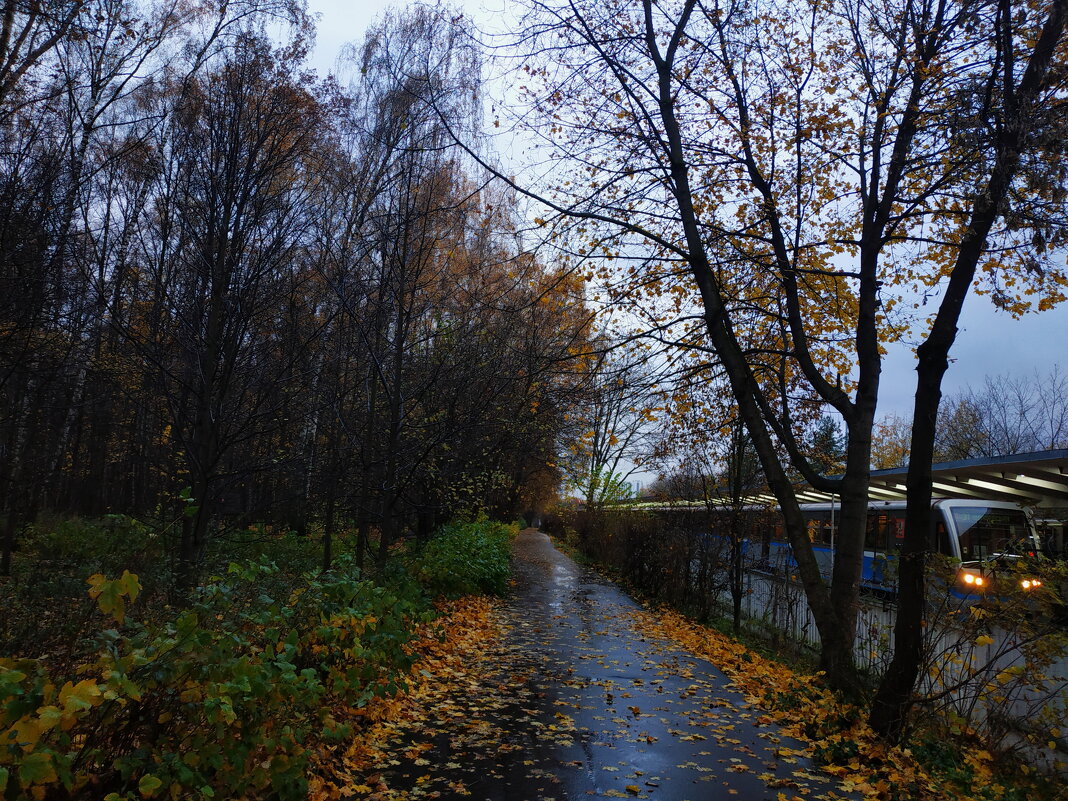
column 111, row 689
column 465, row 559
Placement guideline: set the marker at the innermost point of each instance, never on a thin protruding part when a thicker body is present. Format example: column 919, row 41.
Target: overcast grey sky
column 989, row 343
column 344, row 21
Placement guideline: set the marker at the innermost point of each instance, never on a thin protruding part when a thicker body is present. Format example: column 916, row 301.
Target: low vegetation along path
column 579, row 700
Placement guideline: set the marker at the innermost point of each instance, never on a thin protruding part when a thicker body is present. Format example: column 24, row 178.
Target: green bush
column 260, row 543
column 43, row 607
column 222, row 698
column 63, row 550
column 218, row 702
column 466, row 558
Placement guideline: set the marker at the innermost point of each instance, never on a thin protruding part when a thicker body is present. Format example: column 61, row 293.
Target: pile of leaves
column 465, row 631
column 840, row 741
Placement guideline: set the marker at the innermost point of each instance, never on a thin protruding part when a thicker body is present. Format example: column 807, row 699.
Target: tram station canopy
column 1037, row 479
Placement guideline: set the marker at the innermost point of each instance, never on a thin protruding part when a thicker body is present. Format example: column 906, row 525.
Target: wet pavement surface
column 578, row 704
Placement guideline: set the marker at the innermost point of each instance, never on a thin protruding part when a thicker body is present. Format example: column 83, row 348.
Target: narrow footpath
column 577, row 703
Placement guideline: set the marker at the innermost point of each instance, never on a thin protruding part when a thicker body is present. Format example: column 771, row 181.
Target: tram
column 980, row 534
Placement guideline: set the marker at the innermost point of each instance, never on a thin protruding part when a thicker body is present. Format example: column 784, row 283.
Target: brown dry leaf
column 463, row 633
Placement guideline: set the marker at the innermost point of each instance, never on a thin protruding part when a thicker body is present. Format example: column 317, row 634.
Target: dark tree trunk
column 894, row 699
column 328, row 528
column 10, row 527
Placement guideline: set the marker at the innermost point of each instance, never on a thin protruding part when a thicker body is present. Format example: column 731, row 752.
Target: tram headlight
column 1030, row 584
column 971, row 578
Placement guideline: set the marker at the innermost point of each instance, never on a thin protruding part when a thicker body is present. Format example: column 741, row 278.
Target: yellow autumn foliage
column 801, row 706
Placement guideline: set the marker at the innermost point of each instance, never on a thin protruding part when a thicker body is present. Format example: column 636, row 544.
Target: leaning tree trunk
column 894, row 699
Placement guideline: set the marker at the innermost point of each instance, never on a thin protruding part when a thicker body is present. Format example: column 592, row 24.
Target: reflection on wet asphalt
column 578, row 705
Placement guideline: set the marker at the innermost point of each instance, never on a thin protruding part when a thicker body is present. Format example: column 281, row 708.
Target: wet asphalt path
column 579, row 705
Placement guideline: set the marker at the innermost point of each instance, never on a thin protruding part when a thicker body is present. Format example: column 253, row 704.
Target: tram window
column 878, row 536
column 943, row 539
column 818, row 527
column 871, row 533
column 814, row 525
column 762, row 532
column 984, row 533
column 812, row 528
column 897, row 530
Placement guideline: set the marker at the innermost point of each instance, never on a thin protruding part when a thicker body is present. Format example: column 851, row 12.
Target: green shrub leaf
column 37, row 768
column 149, row 785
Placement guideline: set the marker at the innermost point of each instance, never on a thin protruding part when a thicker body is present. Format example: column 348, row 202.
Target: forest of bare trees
column 1005, row 414
column 231, row 292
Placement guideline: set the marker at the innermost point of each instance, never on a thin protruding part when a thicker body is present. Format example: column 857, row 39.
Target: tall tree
column 1017, row 129
column 785, row 168
column 612, row 425
column 224, row 247
column 29, row 32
